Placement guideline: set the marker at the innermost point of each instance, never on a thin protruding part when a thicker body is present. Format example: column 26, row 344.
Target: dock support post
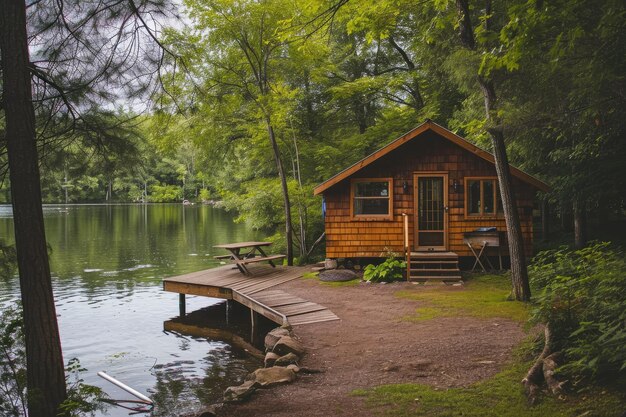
column 253, row 320
column 181, row 304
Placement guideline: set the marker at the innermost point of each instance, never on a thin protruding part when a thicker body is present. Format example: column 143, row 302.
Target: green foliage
column 482, row 296
column 259, row 203
column 204, row 195
column 165, row 193
column 8, row 260
column 583, row 299
column 82, row 399
column 12, row 363
column 389, row 270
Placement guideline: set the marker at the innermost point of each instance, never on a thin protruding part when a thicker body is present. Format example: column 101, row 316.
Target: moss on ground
column 483, row 296
column 499, row 396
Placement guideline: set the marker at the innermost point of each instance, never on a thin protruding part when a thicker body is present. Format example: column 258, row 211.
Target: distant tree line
column 129, row 169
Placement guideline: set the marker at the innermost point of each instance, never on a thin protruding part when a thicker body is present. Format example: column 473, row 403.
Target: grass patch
column 499, row 396
column 314, row 275
column 483, row 296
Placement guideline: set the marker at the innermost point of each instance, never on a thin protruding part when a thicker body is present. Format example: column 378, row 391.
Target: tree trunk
column 519, row 272
column 545, row 220
column 44, row 361
column 283, row 183
column 580, row 225
column 302, row 211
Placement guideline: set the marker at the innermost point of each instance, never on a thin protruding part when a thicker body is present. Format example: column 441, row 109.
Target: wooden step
column 435, row 277
column 435, row 270
column 433, row 255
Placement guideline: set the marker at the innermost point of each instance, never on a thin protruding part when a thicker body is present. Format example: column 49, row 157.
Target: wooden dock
column 256, row 291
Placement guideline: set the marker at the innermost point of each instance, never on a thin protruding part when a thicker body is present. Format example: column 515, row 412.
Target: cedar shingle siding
column 348, row 238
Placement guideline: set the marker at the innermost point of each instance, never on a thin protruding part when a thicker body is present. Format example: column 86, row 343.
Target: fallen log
column 535, row 376
column 550, row 364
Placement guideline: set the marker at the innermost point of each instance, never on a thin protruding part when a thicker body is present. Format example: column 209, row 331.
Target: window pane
column 473, row 197
column 372, row 189
column 488, row 203
column 371, row 206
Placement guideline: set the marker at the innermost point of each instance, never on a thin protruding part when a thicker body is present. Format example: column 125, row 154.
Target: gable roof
column 443, row 132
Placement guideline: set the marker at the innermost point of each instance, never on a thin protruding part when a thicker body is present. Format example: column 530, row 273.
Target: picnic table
column 244, row 253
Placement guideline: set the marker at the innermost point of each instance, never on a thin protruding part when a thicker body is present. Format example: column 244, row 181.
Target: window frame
column 497, row 213
column 366, row 217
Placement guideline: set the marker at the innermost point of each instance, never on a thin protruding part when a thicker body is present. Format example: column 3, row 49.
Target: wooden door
column 431, row 225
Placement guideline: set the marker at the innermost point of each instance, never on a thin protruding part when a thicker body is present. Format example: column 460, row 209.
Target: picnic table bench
column 244, row 253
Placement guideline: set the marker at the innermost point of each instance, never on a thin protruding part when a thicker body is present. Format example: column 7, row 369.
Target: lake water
column 107, row 263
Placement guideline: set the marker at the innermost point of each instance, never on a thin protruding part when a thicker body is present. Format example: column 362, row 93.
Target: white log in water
column 124, row 387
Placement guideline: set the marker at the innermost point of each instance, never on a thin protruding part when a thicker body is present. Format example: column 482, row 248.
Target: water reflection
column 107, row 264
column 233, row 356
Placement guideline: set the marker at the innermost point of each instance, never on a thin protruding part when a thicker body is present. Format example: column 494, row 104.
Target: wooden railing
column 407, row 248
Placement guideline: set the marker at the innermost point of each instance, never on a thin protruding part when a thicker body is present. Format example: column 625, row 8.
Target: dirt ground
column 371, row 345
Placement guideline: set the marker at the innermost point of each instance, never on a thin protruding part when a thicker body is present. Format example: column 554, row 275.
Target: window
column 372, row 198
column 482, row 198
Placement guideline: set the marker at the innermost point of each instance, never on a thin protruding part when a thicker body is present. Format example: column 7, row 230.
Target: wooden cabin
column 445, row 186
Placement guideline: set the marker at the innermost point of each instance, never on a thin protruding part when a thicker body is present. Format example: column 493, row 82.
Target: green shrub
column 12, row 363
column 582, row 296
column 204, row 195
column 165, row 193
column 390, row 270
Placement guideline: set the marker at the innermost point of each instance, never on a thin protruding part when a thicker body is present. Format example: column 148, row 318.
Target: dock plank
column 278, row 298
column 259, row 288
column 310, row 318
column 300, row 308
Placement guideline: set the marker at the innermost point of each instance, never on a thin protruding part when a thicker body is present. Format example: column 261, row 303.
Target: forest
column 251, row 104
column 334, row 83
